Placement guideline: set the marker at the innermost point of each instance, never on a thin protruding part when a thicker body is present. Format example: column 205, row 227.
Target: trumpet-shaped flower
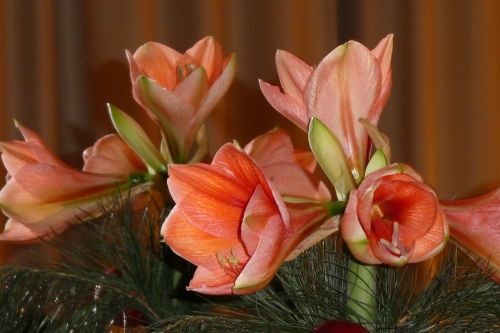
column 230, row 221
column 349, row 84
column 475, row 225
column 43, row 196
column 179, row 90
column 393, row 218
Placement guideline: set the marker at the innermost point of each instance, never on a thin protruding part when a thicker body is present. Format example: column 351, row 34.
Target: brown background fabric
column 62, row 60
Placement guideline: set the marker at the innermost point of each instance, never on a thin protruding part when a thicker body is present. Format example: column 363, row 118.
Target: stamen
column 395, row 233
column 377, row 210
column 184, row 70
column 229, row 263
column 389, row 247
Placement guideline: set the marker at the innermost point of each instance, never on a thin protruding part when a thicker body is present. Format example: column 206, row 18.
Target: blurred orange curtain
column 61, row 61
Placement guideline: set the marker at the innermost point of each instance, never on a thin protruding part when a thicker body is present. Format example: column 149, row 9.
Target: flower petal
column 192, row 243
column 354, row 235
column 383, row 54
column 211, row 282
column 474, row 224
column 293, row 74
column 266, row 260
column 342, row 89
column 257, row 213
column 207, row 53
column 291, row 108
column 111, row 155
column 158, row 62
column 218, row 89
column 432, row 242
column 18, row 232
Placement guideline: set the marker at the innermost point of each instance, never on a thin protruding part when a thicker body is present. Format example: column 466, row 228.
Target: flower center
column 229, row 263
column 184, row 70
column 387, row 231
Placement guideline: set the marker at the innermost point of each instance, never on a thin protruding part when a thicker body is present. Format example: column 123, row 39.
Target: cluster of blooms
column 253, row 207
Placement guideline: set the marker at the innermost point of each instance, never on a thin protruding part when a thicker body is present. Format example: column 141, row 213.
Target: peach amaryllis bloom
column 475, row 225
column 179, row 90
column 230, row 221
column 43, row 196
column 393, row 218
column 349, row 84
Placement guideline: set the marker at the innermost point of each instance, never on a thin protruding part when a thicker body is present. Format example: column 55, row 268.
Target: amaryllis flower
column 179, row 90
column 349, row 84
column 230, row 221
column 393, row 218
column 44, row 196
column 475, row 225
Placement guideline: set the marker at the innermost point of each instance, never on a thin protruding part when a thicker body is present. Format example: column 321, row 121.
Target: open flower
column 179, row 90
column 349, row 84
column 393, row 218
column 475, row 225
column 43, row 196
column 230, row 222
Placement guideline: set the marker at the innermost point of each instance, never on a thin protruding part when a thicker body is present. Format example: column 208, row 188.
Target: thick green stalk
column 362, row 288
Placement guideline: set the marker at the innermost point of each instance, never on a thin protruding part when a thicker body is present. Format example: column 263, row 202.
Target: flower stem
column 362, row 283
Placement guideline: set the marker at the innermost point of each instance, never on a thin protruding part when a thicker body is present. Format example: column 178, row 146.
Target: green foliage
column 116, row 270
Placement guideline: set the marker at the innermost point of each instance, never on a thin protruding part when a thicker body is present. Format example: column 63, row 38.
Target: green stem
column 362, row 283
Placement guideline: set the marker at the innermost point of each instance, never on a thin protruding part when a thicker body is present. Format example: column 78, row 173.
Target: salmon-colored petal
column 305, row 159
column 110, row 155
column 211, row 282
column 326, row 229
column 158, row 62
column 255, row 218
column 432, row 242
column 290, row 107
column 291, row 180
column 16, row 154
column 293, row 73
column 213, row 215
column 474, row 224
column 135, row 71
column 200, row 178
column 217, row 89
column 266, row 259
column 241, row 167
column 413, row 205
column 174, row 114
column 18, row 232
column 208, row 53
column 193, row 88
column 48, row 183
column 343, row 88
column 192, row 243
column 271, row 147
column 353, row 234
column 383, row 54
